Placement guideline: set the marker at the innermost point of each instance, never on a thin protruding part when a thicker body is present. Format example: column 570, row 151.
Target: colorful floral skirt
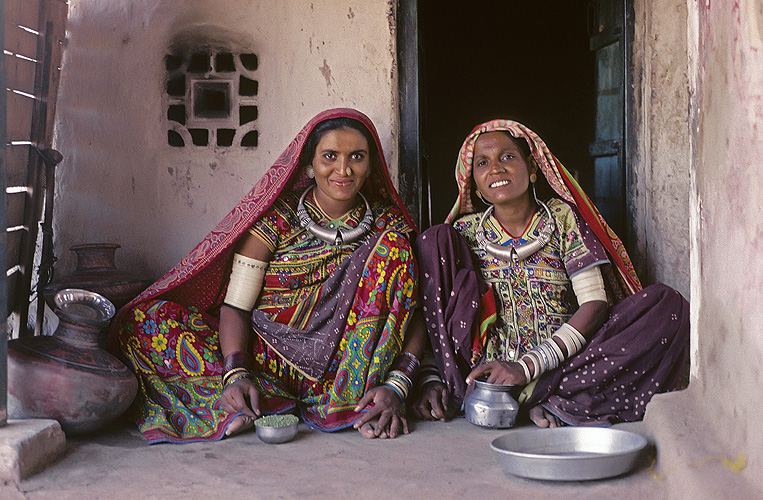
column 174, row 351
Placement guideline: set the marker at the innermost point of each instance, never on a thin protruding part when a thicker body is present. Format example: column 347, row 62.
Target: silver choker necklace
column 334, row 236
column 514, row 254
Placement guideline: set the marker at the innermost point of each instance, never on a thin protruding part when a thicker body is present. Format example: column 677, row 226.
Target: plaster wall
column 710, row 433
column 729, row 145
column 120, row 182
column 659, row 185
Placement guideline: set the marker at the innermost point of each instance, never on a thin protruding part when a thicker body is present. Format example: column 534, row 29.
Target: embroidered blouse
column 534, row 297
column 301, row 262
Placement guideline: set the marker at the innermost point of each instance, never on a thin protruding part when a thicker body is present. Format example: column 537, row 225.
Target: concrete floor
column 436, row 461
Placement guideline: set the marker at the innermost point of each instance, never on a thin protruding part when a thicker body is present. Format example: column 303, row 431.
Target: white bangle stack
column 588, row 286
column 572, row 339
column 548, row 355
column 526, row 369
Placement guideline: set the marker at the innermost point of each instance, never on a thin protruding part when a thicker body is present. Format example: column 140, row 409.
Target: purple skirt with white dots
column 640, row 351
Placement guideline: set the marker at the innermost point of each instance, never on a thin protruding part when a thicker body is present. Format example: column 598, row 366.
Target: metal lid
column 84, row 304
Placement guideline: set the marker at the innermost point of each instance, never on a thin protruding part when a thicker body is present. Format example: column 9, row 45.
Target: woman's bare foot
column 544, row 418
column 239, row 424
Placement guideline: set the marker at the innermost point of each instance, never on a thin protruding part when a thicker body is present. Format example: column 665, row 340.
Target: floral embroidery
column 408, row 288
column 352, row 318
column 210, row 355
column 149, row 327
column 156, row 358
column 159, row 342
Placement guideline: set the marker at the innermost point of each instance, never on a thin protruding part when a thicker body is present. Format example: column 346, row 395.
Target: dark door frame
column 630, row 139
column 3, row 241
column 410, row 173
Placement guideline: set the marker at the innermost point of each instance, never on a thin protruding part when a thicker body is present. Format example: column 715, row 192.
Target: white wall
column 710, row 433
column 728, row 268
column 120, row 182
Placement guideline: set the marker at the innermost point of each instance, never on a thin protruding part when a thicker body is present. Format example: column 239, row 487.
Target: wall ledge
column 692, row 459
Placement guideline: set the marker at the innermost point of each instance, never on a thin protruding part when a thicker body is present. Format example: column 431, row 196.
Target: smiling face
column 500, row 170
column 342, row 164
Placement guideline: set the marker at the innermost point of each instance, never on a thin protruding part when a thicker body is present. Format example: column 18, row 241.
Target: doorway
column 527, row 61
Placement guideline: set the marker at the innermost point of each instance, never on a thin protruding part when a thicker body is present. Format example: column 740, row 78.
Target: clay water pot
column 96, row 271
column 67, row 376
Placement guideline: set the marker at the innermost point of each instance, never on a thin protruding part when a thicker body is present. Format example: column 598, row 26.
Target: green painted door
column 607, row 42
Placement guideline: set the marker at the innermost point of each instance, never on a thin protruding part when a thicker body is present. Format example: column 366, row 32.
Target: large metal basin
column 568, row 453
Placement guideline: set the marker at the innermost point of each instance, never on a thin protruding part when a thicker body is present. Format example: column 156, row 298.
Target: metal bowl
column 276, row 434
column 568, row 453
column 84, row 304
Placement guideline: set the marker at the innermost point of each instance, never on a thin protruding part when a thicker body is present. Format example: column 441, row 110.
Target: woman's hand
column 499, row 372
column 241, row 397
column 386, row 409
column 431, row 403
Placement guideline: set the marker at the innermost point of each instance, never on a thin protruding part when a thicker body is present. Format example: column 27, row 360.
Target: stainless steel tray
column 568, row 453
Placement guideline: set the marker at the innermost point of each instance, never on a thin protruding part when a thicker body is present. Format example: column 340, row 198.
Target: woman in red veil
column 297, row 301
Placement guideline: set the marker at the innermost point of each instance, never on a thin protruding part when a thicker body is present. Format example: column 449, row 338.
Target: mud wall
column 659, row 182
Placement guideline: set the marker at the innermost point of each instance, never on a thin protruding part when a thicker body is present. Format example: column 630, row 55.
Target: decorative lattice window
column 211, row 99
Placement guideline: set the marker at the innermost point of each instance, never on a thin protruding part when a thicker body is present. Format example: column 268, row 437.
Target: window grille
column 211, row 99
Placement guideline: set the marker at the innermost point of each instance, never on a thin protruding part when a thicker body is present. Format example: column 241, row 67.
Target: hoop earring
column 533, row 178
column 310, row 171
column 482, row 198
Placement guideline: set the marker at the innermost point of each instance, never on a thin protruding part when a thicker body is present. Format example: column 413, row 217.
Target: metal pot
column 491, row 405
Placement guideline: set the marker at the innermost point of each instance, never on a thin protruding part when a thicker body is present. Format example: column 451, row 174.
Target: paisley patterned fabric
column 300, row 263
column 623, row 280
column 175, row 352
column 319, row 346
column 371, row 338
column 308, row 286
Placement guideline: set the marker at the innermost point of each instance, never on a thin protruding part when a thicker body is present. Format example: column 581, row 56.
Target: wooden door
column 607, row 32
